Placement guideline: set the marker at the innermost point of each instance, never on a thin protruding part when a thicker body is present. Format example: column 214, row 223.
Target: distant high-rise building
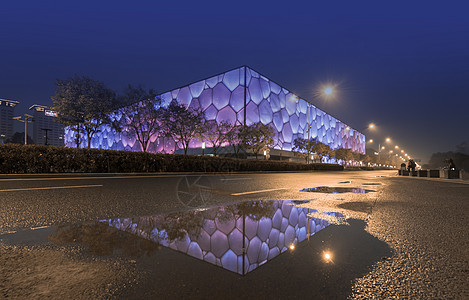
column 7, row 109
column 45, row 126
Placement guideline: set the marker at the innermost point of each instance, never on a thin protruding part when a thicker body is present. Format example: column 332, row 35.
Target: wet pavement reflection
column 181, row 249
column 336, row 190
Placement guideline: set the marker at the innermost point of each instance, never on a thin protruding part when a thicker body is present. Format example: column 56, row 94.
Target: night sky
column 402, row 65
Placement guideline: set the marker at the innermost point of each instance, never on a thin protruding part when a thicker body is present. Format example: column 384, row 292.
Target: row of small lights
column 403, row 156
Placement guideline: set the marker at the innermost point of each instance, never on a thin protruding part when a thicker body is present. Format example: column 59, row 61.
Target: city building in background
column 241, row 96
column 46, row 129
column 7, row 110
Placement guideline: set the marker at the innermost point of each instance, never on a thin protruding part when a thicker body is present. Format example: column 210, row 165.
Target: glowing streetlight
column 397, row 147
column 327, row 256
column 388, row 140
column 203, row 148
column 370, row 141
column 382, row 148
column 402, row 151
column 328, row 90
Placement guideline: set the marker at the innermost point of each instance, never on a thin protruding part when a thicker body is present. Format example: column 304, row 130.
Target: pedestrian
column 403, row 166
column 412, row 164
column 451, row 164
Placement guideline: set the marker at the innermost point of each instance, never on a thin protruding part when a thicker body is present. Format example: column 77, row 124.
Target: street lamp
column 327, row 91
column 203, row 148
column 27, row 119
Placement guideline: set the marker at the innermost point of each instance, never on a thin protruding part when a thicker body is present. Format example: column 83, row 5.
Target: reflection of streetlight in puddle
column 327, row 257
column 292, row 247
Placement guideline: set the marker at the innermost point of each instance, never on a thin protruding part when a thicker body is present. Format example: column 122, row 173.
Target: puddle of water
column 238, row 237
column 348, row 181
column 336, row 190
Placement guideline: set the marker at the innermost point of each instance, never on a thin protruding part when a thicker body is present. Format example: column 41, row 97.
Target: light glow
column 328, row 90
column 327, row 256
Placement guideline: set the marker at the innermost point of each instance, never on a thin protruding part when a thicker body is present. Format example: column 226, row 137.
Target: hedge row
column 16, row 158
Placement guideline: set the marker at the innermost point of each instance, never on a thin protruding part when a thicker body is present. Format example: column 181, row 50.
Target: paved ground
column 407, row 240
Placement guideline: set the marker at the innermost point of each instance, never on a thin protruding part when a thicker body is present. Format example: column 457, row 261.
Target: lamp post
column 203, row 148
column 27, row 119
column 328, row 91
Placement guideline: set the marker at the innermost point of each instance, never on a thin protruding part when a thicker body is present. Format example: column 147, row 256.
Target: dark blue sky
column 403, row 65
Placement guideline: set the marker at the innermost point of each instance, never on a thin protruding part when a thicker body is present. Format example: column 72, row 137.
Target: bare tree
column 234, row 138
column 83, row 104
column 216, row 134
column 141, row 118
column 257, row 137
column 182, row 124
column 304, row 147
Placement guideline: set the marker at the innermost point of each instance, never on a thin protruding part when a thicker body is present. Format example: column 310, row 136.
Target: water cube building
column 241, row 96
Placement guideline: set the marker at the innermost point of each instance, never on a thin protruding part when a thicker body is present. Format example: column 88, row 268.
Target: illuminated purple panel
column 195, row 251
column 166, row 99
column 240, row 117
column 255, row 90
column 231, row 79
column 278, row 121
column 254, row 248
column 229, row 261
column 303, row 121
column 283, row 99
column 264, row 229
column 221, row 96
column 265, row 87
column 291, row 104
column 303, row 106
column 265, row 112
column 197, row 88
column 248, row 76
column 274, row 103
column 226, row 114
column 285, row 115
column 235, row 238
column 194, row 104
column 205, row 99
column 241, row 75
column 211, row 82
column 219, row 243
column 237, row 98
column 287, row 133
column 184, row 96
column 211, row 113
column 294, row 122
column 254, row 73
column 174, row 93
column 252, row 113
column 275, row 88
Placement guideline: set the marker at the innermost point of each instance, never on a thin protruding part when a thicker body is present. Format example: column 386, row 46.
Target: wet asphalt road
column 409, row 239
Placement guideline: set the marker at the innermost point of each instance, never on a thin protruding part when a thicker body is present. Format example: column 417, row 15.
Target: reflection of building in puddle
column 238, row 237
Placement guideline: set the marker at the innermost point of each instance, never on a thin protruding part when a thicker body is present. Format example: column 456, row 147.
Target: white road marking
column 51, row 188
column 255, row 192
column 40, row 227
column 102, row 177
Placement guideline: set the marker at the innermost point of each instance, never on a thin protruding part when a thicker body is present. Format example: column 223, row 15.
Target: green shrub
column 16, row 158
